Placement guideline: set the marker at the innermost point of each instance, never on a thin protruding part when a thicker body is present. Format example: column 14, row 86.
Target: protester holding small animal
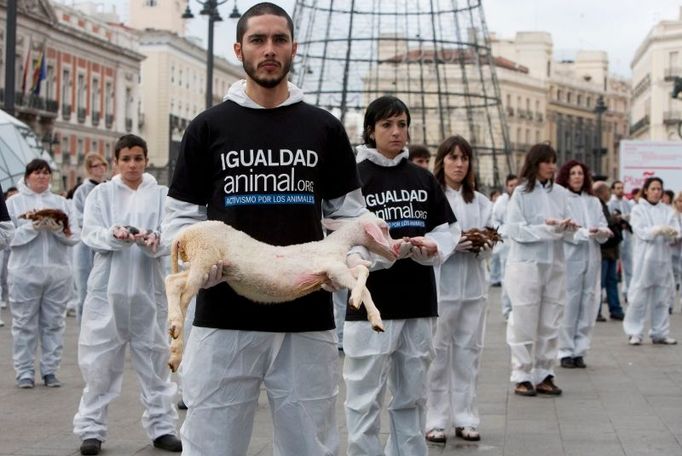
column 125, row 304
column 462, row 301
column 270, row 165
column 39, row 275
column 412, row 202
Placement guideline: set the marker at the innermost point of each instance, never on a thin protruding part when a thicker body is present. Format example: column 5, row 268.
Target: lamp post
column 210, row 8
column 600, row 108
column 10, row 58
column 50, row 139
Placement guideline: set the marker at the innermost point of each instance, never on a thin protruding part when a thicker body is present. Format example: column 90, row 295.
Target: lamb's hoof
column 355, row 304
column 173, row 365
column 174, row 333
column 378, row 327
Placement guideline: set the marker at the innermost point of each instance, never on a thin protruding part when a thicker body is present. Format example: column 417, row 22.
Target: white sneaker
column 664, row 341
column 2, row 323
column 635, row 340
column 3, row 304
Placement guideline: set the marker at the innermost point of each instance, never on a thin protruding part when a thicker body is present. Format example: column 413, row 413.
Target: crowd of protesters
column 568, row 242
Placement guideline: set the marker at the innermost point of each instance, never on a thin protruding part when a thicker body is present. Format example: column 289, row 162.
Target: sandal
column 548, row 387
column 524, row 389
column 436, row 435
column 469, row 433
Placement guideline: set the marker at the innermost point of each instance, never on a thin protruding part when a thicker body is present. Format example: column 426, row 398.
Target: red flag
column 24, row 77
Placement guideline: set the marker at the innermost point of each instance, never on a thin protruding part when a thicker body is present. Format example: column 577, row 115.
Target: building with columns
column 89, row 95
column 656, row 64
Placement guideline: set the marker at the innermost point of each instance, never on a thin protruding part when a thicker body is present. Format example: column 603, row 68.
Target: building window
column 559, row 95
column 172, row 74
column 49, row 84
column 66, row 88
column 569, row 97
column 81, row 91
column 95, row 96
column 108, row 98
column 150, row 2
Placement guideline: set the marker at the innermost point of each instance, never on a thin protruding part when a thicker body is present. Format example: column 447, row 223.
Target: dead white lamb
column 270, row 274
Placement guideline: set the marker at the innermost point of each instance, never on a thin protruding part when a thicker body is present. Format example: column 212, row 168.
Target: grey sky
column 615, row 26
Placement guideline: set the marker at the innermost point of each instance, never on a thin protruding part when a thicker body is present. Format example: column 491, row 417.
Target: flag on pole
column 27, row 62
column 39, row 73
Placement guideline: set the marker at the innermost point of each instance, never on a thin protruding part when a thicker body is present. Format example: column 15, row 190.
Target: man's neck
column 267, row 97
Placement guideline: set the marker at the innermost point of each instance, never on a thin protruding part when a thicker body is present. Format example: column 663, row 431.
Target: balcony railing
column 510, row 111
column 108, row 120
column 81, row 115
column 52, row 105
column 670, row 73
column 539, row 117
column 129, row 124
column 641, row 123
column 66, row 111
column 95, row 118
column 672, row 117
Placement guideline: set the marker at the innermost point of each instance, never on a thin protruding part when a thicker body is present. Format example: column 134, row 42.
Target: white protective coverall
column 626, row 246
column 583, row 274
column 535, row 278
column 39, row 275
column 125, row 305
column 82, row 254
column 652, row 275
column 502, row 248
column 462, row 302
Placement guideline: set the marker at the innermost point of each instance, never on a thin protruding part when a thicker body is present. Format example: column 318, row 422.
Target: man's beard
column 268, row 83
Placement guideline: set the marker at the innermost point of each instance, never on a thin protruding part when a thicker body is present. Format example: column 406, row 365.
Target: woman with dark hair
column 462, row 303
column 411, row 201
column 537, row 222
column 39, row 273
column 654, row 228
column 583, row 264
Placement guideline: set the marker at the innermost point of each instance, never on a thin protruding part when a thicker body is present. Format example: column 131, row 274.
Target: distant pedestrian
column 419, row 155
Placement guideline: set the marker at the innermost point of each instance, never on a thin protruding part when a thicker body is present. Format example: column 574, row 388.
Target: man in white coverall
column 125, row 302
column 270, row 165
column 502, row 248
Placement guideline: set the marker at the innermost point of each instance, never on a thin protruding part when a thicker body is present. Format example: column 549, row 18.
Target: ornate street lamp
column 210, row 8
column 600, row 108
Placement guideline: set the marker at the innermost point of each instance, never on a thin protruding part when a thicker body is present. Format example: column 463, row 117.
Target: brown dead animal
column 54, row 214
column 479, row 237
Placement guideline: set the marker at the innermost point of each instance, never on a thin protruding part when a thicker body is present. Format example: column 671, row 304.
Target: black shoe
column 51, row 381
column 548, row 387
column 91, row 446
column 600, row 317
column 496, row 284
column 524, row 389
column 168, row 442
column 182, row 405
column 568, row 362
column 579, row 362
column 618, row 317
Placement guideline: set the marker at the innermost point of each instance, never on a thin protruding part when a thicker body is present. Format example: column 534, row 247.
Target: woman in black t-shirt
column 411, row 201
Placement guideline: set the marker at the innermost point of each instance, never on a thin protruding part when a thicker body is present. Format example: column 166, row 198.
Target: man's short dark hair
column 510, row 177
column 613, row 185
column 418, row 151
column 129, row 141
column 261, row 9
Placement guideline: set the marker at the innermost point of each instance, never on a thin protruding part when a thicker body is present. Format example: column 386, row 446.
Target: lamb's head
column 367, row 230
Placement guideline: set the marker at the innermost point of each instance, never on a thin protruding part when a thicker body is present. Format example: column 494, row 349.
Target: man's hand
column 214, row 276
column 149, row 239
column 122, row 234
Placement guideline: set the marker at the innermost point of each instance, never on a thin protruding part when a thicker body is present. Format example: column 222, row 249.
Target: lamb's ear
column 374, row 232
column 333, row 224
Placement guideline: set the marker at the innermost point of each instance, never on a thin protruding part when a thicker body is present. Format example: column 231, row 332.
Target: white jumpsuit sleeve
column 6, row 233
column 641, row 228
column 520, row 230
column 94, row 234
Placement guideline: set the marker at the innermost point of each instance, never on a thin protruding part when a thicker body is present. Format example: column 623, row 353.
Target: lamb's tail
column 174, row 255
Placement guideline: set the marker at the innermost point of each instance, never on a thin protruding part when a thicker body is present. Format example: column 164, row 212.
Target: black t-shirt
column 4, row 215
column 265, row 172
column 412, row 202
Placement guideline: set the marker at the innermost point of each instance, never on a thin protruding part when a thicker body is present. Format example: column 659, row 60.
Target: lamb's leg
column 355, row 280
column 175, row 284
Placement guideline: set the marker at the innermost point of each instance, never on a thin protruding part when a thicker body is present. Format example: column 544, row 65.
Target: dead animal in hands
column 45, row 215
column 272, row 274
column 480, row 237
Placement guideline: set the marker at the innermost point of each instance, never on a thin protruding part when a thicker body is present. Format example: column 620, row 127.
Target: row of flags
column 32, row 77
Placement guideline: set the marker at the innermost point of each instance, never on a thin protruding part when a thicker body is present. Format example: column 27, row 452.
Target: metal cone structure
column 435, row 55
